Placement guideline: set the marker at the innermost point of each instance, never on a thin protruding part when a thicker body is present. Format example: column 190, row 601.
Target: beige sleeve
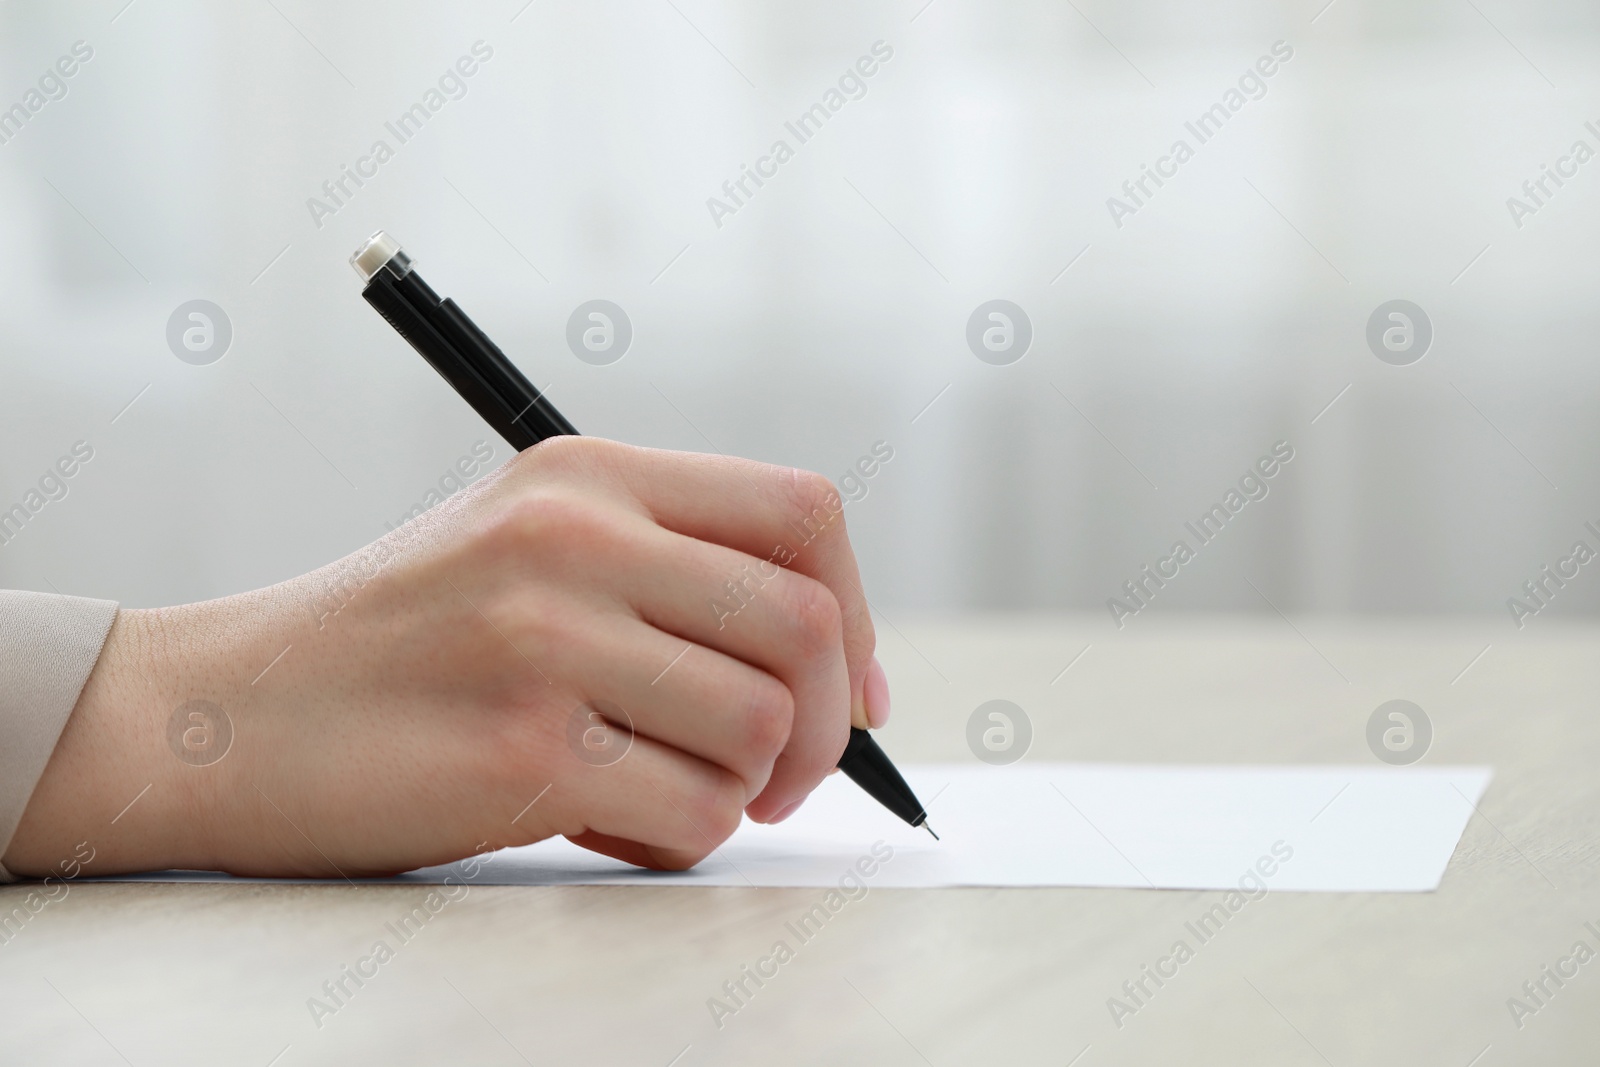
column 48, row 646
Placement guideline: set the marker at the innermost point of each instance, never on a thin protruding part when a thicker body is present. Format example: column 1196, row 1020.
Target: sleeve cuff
column 48, row 646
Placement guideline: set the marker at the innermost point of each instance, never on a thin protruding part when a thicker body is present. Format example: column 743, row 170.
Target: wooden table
column 221, row 974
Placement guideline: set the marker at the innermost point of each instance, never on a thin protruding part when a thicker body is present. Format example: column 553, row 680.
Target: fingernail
column 786, row 812
column 875, row 694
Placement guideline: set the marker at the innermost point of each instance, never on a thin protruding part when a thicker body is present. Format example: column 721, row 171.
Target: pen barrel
column 473, row 365
column 534, row 411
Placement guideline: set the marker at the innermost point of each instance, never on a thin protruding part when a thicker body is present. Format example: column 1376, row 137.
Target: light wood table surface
column 221, row 974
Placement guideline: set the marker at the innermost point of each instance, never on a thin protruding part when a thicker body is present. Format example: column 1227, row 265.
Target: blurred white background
column 832, row 308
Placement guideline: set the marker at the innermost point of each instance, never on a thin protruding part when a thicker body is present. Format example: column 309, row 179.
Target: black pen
column 483, row 376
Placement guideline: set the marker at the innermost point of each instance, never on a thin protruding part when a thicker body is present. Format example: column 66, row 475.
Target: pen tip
column 928, row 828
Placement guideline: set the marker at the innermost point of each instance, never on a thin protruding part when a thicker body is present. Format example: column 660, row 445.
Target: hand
column 439, row 680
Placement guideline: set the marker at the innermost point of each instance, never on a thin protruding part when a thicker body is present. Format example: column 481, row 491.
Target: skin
column 419, row 710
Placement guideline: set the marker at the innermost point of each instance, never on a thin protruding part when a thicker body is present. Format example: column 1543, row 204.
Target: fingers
column 766, row 543
column 790, row 518
column 705, row 702
column 655, row 807
column 787, row 624
column 770, row 703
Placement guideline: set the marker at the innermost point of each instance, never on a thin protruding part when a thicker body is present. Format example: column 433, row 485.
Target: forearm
column 114, row 780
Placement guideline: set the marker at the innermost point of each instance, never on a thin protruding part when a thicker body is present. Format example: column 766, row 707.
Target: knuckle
column 550, row 522
column 812, row 495
column 768, row 718
column 816, row 617
column 565, row 453
column 716, row 807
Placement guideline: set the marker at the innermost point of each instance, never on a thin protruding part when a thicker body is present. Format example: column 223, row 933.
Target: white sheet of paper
column 1316, row 828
